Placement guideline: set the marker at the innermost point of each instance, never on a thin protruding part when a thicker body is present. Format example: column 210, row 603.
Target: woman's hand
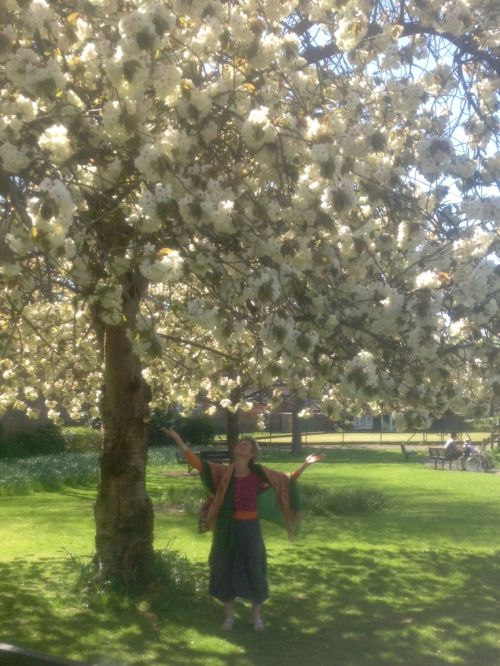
column 314, row 458
column 310, row 460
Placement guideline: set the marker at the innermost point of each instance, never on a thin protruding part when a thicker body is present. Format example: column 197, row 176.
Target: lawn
column 414, row 582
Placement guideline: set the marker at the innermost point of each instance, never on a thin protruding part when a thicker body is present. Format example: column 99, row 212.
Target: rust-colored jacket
column 221, row 477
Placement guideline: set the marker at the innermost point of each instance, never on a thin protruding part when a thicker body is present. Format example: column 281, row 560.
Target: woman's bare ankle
column 228, row 623
column 229, row 614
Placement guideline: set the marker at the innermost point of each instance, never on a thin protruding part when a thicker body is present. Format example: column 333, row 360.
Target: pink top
column 246, row 489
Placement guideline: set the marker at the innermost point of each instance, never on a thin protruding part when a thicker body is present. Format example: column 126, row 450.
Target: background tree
column 320, row 175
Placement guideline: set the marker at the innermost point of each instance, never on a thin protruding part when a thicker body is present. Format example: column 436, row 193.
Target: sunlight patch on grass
column 413, row 583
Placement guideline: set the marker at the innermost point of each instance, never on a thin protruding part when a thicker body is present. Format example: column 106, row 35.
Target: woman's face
column 244, row 449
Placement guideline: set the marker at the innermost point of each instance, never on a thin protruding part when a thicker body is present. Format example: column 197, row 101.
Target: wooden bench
column 407, row 453
column 210, row 455
column 215, row 455
column 181, row 460
column 438, row 454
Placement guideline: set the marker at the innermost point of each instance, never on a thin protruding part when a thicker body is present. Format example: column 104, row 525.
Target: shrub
column 483, row 424
column 159, row 457
column 82, row 439
column 198, row 430
column 317, row 500
column 49, row 473
column 46, row 440
column 161, row 419
column 49, row 440
column 344, row 501
column 174, row 573
column 182, row 499
column 493, row 457
column 171, row 575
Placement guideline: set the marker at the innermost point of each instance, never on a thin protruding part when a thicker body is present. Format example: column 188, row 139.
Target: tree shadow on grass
column 40, row 610
column 357, row 608
column 328, row 606
column 449, row 525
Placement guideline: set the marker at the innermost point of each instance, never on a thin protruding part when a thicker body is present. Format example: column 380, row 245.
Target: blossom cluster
column 52, row 212
column 250, row 207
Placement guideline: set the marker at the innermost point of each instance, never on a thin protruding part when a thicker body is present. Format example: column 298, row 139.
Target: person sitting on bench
column 452, row 449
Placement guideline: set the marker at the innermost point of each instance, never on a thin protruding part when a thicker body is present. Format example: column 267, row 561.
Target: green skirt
column 238, row 565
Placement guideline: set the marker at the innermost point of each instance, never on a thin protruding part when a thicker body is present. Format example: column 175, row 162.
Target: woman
column 238, row 556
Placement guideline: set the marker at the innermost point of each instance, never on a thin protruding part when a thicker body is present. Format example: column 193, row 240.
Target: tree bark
column 123, row 511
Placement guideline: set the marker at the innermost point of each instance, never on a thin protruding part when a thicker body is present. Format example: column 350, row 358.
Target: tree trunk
column 296, row 432
column 123, row 511
column 232, row 429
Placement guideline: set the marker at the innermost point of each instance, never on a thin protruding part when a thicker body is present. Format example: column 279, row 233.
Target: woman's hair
column 255, row 446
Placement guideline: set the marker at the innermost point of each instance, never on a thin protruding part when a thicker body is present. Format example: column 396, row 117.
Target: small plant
column 48, row 473
column 81, row 439
column 182, row 499
column 173, row 572
column 171, row 575
column 344, row 501
column 492, row 458
column 161, row 456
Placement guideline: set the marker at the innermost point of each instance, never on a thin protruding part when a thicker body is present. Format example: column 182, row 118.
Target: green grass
column 413, row 582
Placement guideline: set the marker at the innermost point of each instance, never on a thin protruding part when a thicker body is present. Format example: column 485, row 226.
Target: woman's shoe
column 228, row 623
column 259, row 625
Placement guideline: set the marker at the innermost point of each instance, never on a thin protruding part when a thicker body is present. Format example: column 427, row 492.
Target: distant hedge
column 46, row 440
column 52, row 439
column 49, row 440
column 195, row 430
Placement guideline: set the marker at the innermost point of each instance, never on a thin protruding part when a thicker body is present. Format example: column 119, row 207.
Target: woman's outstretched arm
column 192, row 458
column 176, row 437
column 310, row 460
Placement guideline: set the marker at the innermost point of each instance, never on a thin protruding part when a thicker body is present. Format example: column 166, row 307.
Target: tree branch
column 464, row 43
column 199, row 345
column 315, row 54
column 9, row 190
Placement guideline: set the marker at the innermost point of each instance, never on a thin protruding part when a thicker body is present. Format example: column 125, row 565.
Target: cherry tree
column 308, row 189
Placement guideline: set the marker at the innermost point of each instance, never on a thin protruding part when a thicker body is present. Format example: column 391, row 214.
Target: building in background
column 371, row 423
